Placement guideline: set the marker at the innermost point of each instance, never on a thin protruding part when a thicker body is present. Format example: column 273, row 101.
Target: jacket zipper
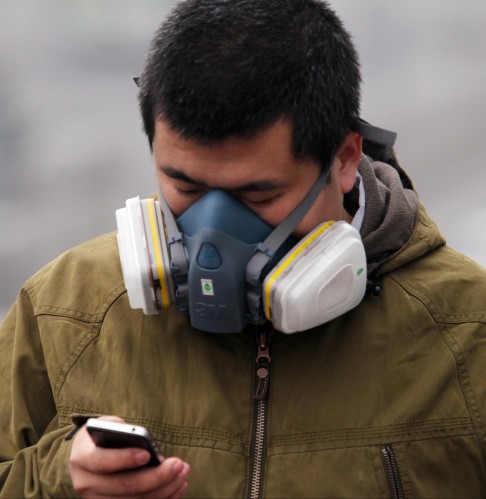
column 262, row 380
column 392, row 472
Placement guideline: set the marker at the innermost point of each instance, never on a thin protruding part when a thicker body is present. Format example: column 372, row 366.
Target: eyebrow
column 256, row 186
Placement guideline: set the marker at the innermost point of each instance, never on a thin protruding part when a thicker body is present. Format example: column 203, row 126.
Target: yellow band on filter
column 158, row 254
column 283, row 265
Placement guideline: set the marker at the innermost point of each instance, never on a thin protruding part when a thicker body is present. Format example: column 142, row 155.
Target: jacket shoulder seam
column 456, row 350
column 86, row 339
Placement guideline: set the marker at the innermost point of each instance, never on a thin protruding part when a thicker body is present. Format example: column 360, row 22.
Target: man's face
column 260, row 171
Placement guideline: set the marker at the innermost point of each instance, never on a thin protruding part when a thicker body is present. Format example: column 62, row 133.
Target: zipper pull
column 262, row 364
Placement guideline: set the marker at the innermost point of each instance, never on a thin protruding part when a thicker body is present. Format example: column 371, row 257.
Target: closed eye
column 259, row 201
column 189, row 191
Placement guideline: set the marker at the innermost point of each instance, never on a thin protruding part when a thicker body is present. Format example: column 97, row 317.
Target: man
column 258, row 99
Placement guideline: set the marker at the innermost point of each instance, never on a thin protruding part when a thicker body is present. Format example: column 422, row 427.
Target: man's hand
column 97, row 472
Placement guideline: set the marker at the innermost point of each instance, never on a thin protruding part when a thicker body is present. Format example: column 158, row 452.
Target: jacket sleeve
column 474, row 386
column 33, row 452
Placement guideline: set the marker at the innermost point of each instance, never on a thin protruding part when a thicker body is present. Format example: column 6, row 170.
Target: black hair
column 223, row 68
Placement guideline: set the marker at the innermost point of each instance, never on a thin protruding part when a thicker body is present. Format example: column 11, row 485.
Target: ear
column 347, row 160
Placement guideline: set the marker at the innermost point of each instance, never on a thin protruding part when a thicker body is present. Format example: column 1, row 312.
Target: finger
column 178, row 494
column 91, row 480
column 107, row 461
column 181, row 492
column 89, row 457
column 157, row 482
column 176, row 488
column 116, row 419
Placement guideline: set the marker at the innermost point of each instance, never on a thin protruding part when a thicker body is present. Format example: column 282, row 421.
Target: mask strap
column 266, row 249
column 179, row 267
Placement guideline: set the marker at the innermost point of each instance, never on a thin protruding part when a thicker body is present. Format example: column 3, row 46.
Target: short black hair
column 223, row 68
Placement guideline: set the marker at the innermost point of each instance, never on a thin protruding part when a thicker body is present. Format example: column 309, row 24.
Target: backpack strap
column 378, row 144
column 373, row 133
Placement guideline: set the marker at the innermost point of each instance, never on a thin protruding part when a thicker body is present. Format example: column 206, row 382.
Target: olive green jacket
column 388, row 400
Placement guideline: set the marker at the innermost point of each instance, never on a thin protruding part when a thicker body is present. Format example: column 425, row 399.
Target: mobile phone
column 115, row 435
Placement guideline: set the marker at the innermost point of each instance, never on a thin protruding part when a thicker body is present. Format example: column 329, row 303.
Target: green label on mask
column 207, row 287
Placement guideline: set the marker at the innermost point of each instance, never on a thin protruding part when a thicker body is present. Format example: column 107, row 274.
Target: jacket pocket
column 392, row 472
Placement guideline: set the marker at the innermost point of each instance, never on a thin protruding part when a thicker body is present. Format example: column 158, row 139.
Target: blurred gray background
column 71, row 142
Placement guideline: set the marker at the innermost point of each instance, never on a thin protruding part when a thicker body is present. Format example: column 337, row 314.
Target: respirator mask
column 226, row 268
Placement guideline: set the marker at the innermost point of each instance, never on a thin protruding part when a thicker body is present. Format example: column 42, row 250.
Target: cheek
column 279, row 211
column 271, row 215
column 177, row 203
column 324, row 209
column 309, row 222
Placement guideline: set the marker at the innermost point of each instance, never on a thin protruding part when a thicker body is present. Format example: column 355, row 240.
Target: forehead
column 268, row 153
